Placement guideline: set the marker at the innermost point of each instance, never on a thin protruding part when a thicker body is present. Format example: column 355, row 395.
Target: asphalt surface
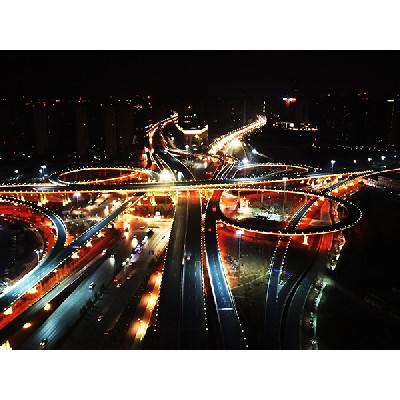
column 169, row 306
column 88, row 332
column 44, row 267
column 231, row 331
column 193, row 313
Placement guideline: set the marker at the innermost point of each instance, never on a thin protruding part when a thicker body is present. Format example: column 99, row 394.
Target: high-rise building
column 110, row 129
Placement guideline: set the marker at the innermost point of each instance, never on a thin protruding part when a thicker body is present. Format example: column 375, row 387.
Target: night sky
column 215, row 72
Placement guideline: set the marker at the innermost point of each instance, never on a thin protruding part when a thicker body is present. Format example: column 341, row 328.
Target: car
column 119, row 285
column 137, row 250
column 115, row 280
column 129, row 276
column 142, row 227
column 107, row 332
column 100, row 317
column 92, row 285
column 43, row 342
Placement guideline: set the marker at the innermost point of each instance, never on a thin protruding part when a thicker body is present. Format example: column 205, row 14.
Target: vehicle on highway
column 129, row 276
column 92, row 285
column 119, row 285
column 100, row 317
column 142, row 227
column 137, row 249
column 43, row 342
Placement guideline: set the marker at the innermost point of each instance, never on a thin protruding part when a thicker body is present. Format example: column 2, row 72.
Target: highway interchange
column 193, row 275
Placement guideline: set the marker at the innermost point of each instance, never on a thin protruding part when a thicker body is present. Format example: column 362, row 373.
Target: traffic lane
column 271, row 309
column 193, row 314
column 50, row 263
column 169, row 309
column 292, row 329
column 229, row 322
column 71, row 306
column 89, row 332
column 36, row 315
column 42, row 269
column 63, row 318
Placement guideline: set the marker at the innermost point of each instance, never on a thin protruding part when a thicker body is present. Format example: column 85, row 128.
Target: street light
column 77, row 195
column 284, row 195
column 42, row 170
column 38, row 252
column 332, row 162
column 369, row 159
column 240, row 233
column 383, row 157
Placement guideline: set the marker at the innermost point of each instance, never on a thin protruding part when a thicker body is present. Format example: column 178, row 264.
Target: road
column 65, row 328
column 8, row 297
column 58, row 255
column 193, row 312
column 230, row 328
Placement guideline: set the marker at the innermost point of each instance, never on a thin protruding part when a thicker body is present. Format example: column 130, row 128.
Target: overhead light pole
column 240, row 233
column 284, row 195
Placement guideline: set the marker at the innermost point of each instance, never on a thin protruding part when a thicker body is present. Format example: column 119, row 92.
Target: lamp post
column 240, row 233
column 38, row 252
column 187, row 151
column 284, row 195
column 42, row 171
column 333, row 163
column 77, row 195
